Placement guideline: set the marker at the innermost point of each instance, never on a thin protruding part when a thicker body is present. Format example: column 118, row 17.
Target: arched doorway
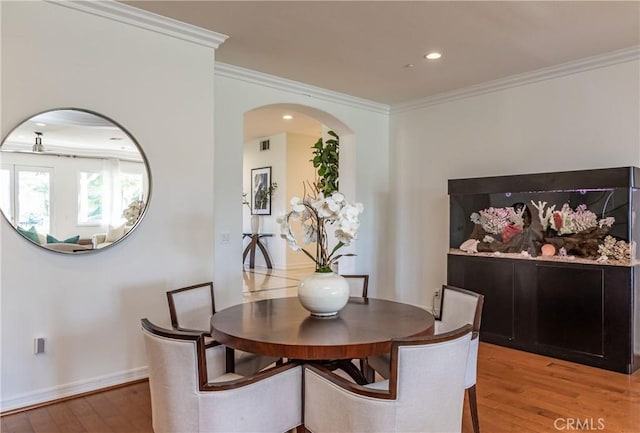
column 283, row 146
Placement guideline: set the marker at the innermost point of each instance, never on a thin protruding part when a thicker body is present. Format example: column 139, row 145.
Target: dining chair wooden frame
column 233, row 356
column 381, row 363
column 367, row 371
column 365, row 282
column 174, row 314
column 229, row 386
column 391, row 393
column 473, row 350
column 203, row 384
column 479, row 305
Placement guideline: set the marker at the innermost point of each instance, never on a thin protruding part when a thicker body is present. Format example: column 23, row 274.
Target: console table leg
column 265, row 254
column 252, row 252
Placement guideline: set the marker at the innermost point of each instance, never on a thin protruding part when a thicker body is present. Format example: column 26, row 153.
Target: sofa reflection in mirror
column 72, row 244
column 72, row 181
column 114, row 233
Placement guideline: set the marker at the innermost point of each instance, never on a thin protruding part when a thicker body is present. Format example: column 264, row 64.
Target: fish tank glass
column 587, row 216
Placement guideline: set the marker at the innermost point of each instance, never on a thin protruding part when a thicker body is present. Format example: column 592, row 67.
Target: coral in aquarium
column 566, row 220
column 563, row 232
column 544, row 214
column 495, row 219
column 614, row 249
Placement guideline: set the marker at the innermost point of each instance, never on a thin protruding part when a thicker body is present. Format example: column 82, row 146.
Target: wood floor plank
column 87, row 416
column 119, row 423
column 93, row 423
column 79, row 407
column 132, row 407
column 18, row 423
column 101, row 405
column 109, row 412
column 42, row 422
column 145, row 399
column 64, row 418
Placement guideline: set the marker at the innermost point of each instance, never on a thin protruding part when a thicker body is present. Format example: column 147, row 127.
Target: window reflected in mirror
column 72, row 180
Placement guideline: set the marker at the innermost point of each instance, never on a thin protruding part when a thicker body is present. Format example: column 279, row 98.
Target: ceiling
column 72, row 132
column 361, row 48
column 264, row 122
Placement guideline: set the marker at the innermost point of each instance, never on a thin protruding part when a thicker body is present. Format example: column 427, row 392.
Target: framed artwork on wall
column 260, row 195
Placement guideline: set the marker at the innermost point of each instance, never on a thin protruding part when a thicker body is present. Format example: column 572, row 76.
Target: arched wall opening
column 283, row 149
column 364, row 156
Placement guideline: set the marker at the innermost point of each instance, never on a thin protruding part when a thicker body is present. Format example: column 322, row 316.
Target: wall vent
column 264, row 145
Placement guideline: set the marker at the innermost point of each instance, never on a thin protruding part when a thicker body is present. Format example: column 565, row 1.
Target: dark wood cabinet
column 581, row 313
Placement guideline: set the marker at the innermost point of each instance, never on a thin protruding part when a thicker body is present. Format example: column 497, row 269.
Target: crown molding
column 126, row 14
column 600, row 61
column 274, row 82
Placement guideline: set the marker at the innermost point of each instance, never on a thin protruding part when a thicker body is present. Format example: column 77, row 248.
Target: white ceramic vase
column 255, row 224
column 323, row 293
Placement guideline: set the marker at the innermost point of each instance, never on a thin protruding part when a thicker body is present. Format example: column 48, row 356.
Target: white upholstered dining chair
column 459, row 307
column 191, row 308
column 359, row 287
column 191, row 391
column 424, row 392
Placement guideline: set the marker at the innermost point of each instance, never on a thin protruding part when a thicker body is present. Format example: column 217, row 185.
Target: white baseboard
column 71, row 389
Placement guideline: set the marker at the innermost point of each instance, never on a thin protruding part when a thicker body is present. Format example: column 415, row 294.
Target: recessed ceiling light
column 433, row 56
column 409, row 65
column 287, row 117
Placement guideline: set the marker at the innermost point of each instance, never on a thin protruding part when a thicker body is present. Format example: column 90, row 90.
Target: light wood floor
column 517, row 392
column 262, row 283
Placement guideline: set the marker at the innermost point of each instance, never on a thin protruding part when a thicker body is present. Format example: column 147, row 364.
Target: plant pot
column 323, row 294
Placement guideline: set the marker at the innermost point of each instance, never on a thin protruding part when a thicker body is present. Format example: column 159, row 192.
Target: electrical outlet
column 225, row 238
column 436, row 303
column 38, row 346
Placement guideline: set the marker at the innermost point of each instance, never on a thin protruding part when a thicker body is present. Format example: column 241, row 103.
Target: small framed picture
column 260, row 196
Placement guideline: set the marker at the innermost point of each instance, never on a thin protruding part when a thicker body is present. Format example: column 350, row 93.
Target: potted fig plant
column 324, row 292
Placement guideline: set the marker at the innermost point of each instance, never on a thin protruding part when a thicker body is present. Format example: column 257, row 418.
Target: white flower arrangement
column 133, row 212
column 316, row 213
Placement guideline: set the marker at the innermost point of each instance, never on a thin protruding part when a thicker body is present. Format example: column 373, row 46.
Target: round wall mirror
column 73, row 181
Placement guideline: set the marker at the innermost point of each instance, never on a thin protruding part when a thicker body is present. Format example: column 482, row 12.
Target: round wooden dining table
column 281, row 327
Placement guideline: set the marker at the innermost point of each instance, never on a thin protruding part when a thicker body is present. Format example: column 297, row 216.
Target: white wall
column 364, row 147
column 300, row 173
column 586, row 120
column 88, row 308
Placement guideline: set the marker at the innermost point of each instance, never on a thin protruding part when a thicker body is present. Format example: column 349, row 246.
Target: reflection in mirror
column 72, row 180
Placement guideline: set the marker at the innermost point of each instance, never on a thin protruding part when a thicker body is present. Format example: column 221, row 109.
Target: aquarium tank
column 585, row 216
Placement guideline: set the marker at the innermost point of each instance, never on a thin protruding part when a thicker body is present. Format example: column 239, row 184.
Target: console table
column 251, row 248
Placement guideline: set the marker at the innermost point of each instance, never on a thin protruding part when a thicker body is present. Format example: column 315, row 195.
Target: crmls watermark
column 579, row 424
